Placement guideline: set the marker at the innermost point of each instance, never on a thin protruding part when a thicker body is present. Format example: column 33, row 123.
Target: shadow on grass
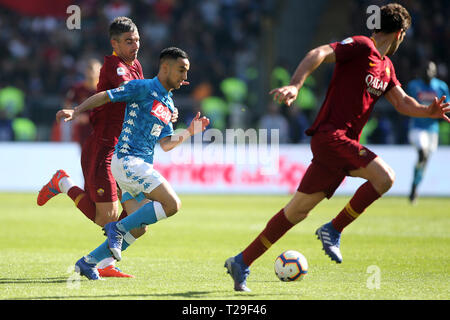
column 167, row 296
column 32, row 280
column 72, row 294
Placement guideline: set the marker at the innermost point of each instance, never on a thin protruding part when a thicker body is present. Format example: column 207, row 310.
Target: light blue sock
column 102, row 252
column 418, row 175
column 99, row 253
column 145, row 215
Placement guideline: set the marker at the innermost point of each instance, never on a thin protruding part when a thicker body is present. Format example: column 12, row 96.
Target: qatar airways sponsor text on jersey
column 375, row 85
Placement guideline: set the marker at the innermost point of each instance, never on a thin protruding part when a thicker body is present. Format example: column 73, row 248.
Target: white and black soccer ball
column 291, row 266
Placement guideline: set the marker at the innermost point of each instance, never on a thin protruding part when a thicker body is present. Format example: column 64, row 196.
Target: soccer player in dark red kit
column 362, row 74
column 80, row 91
column 99, row 199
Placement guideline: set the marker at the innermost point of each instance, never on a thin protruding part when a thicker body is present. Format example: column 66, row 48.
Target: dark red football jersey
column 361, row 76
column 77, row 94
column 107, row 120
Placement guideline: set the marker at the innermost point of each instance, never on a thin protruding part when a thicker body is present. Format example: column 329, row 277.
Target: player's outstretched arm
column 313, row 59
column 92, row 102
column 409, row 106
column 198, row 124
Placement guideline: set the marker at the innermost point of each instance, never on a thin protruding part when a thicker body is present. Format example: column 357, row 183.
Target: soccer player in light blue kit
column 147, row 121
column 424, row 132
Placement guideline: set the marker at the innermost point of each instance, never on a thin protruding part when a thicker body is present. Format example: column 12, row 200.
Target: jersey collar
column 115, row 54
column 166, row 95
column 161, row 88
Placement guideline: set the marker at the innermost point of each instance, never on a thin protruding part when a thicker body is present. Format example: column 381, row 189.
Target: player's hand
column 198, row 124
column 286, row 94
column 174, row 115
column 438, row 109
column 64, row 114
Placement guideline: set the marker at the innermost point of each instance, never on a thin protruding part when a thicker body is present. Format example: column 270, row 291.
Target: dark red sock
column 83, row 202
column 275, row 229
column 364, row 197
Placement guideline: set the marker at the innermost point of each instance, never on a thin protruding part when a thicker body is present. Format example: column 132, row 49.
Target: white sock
column 159, row 211
column 110, row 261
column 65, row 184
column 128, row 238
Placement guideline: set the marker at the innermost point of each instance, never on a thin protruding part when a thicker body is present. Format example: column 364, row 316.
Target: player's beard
column 171, row 84
column 175, row 84
column 133, row 56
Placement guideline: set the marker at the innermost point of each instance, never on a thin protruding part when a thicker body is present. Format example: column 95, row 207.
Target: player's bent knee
column 102, row 219
column 172, row 206
column 386, row 181
column 106, row 212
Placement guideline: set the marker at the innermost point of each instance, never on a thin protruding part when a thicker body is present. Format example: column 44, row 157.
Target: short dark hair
column 172, row 53
column 121, row 25
column 394, row 17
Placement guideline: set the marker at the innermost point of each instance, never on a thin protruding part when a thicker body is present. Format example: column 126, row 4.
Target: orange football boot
column 113, row 272
column 51, row 189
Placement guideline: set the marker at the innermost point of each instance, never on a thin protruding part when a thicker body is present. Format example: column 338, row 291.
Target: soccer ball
column 291, row 266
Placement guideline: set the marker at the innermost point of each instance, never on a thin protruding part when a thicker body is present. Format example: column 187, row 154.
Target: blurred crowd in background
column 42, row 61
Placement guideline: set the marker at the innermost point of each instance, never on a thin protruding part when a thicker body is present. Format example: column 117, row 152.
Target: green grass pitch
column 393, row 251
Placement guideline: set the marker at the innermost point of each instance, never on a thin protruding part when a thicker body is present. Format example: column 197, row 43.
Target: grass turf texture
column 183, row 257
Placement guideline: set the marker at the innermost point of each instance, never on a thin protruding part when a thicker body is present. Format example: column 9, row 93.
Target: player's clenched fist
column 64, row 114
column 286, row 94
column 174, row 115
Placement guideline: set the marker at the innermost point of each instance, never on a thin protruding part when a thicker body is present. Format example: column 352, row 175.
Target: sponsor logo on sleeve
column 347, row 40
column 156, row 130
column 121, row 71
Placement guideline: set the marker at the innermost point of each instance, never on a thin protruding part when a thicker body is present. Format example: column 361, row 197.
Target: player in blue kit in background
column 147, row 121
column 424, row 132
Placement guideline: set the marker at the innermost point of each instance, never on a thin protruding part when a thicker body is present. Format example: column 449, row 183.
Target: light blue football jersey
column 425, row 93
column 147, row 117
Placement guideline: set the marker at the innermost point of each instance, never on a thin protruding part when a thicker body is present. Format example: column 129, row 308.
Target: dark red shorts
column 99, row 182
column 334, row 155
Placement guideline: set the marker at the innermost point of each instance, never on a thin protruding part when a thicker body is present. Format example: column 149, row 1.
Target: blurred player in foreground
column 81, row 129
column 147, row 121
column 424, row 132
column 362, row 74
column 99, row 199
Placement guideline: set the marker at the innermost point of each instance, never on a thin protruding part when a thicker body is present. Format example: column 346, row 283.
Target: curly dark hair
column 394, row 17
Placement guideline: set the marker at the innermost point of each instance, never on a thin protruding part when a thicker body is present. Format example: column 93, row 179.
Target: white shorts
column 423, row 139
column 135, row 176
